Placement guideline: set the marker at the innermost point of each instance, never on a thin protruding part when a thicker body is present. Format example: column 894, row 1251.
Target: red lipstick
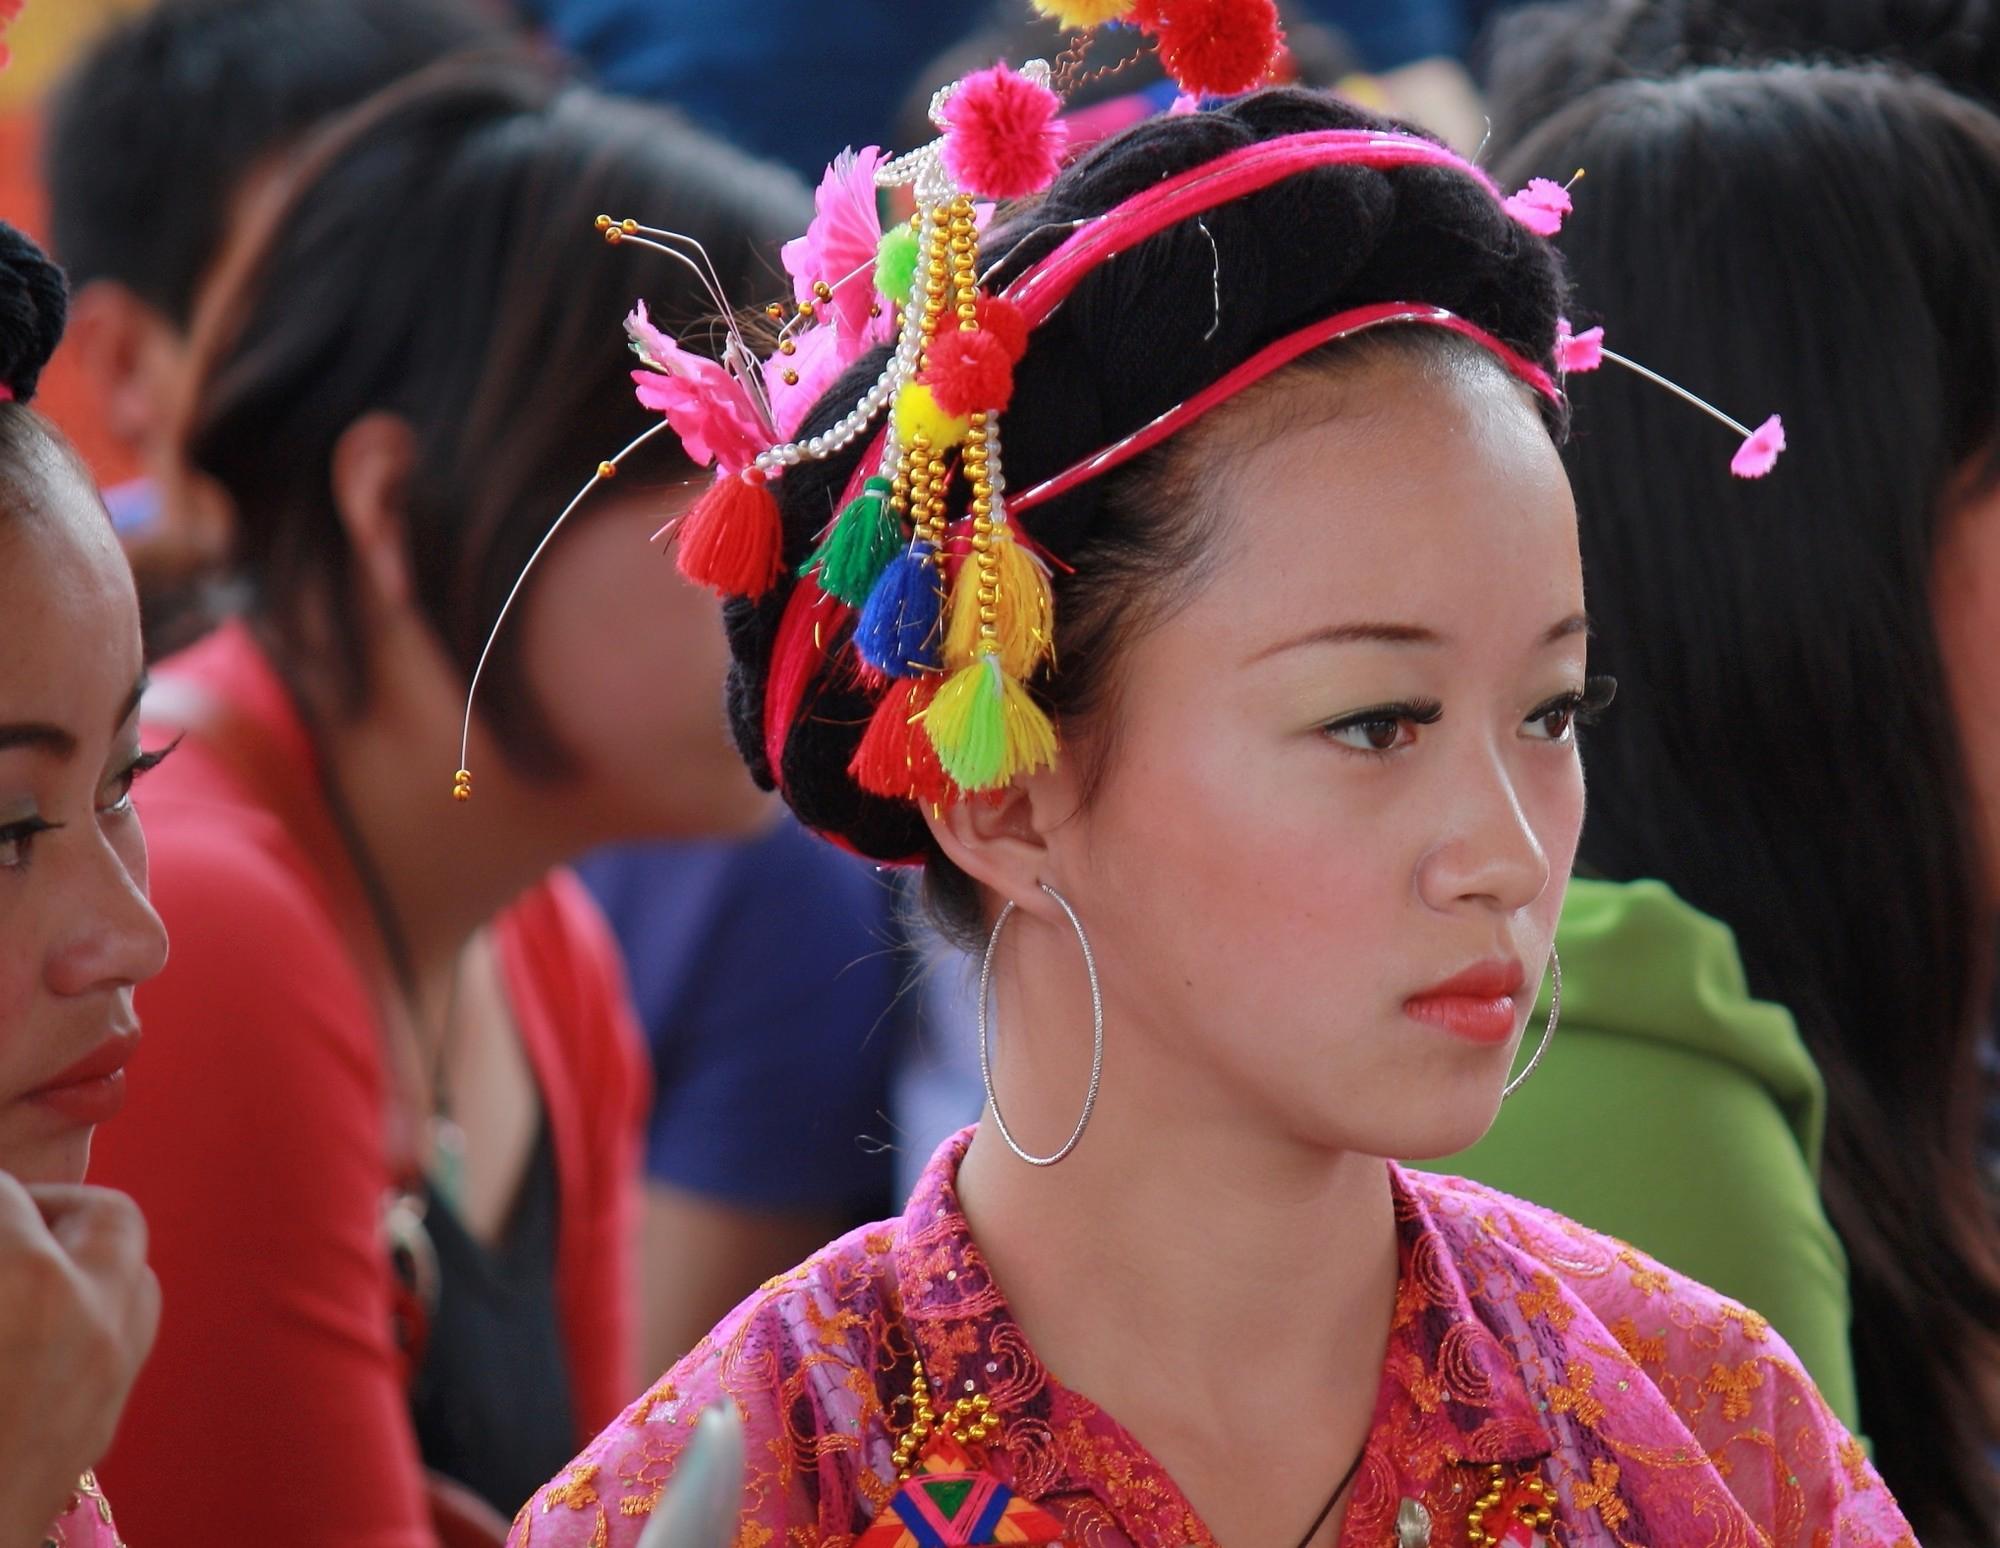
column 92, row 1090
column 1477, row 1005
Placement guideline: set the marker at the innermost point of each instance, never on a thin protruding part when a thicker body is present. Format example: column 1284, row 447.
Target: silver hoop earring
column 1096, row 1033
column 1548, row 1032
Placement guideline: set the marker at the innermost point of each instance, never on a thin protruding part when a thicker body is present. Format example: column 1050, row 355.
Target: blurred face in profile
column 77, row 933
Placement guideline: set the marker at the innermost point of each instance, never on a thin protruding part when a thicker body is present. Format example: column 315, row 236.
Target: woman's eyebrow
column 55, row 740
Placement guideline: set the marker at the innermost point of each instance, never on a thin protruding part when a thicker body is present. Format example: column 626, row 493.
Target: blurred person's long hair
column 434, row 255
column 1784, row 752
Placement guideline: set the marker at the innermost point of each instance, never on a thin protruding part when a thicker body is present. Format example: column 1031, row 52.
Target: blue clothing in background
column 767, row 975
column 797, row 81
column 1388, row 34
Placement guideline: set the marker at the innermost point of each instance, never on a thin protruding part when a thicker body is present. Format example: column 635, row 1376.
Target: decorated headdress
column 905, row 602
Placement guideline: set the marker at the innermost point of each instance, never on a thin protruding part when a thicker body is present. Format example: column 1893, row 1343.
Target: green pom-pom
column 866, row 536
column 896, row 263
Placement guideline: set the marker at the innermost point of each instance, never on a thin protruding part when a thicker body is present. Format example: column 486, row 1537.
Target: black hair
column 149, row 136
column 1784, row 754
column 35, row 461
column 1543, row 55
column 1136, row 337
column 412, row 273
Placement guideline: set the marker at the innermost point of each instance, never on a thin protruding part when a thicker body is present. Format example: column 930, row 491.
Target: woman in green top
column 1807, row 741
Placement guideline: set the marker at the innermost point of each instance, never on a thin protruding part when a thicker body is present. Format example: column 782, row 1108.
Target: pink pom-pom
column 1578, row 351
column 1759, row 454
column 1002, row 137
column 1003, row 320
column 1540, row 206
column 1214, row 48
column 969, row 372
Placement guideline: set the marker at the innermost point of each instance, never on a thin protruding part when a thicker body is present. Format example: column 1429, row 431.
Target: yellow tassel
column 1024, row 612
column 987, row 729
column 918, row 414
column 1082, row 15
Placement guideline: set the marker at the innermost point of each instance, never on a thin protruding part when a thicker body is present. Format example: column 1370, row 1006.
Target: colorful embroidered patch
column 949, row 1503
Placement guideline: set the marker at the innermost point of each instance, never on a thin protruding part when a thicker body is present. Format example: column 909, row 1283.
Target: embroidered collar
column 1451, row 1396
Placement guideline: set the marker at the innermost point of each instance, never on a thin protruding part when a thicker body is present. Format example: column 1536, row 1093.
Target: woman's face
column 629, row 660
column 1344, row 775
column 76, row 931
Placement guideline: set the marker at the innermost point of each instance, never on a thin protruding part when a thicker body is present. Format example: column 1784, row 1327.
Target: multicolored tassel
column 987, row 728
column 895, row 759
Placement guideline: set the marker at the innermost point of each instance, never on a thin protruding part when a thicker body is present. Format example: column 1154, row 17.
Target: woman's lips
column 92, row 1090
column 1477, row 1004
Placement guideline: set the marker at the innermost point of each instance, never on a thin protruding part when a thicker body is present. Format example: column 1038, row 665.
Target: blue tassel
column 898, row 633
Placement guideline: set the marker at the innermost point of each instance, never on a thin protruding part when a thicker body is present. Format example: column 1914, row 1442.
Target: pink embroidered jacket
column 1525, row 1352
column 87, row 1523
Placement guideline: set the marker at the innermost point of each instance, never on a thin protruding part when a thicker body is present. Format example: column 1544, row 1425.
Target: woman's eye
column 1383, row 729
column 116, row 797
column 1372, row 735
column 1555, row 722
column 17, row 841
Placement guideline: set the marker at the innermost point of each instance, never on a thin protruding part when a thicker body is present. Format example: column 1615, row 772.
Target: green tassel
column 896, row 263
column 866, row 536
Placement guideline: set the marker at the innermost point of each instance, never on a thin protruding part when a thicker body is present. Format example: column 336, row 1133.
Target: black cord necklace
column 1340, row 1488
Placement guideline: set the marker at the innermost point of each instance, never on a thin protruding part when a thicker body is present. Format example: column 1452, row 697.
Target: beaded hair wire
column 953, row 618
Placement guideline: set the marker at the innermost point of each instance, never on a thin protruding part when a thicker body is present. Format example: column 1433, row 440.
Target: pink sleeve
column 253, row 1142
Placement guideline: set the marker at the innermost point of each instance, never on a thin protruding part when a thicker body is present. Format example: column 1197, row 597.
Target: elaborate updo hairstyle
column 1139, row 335
column 36, row 463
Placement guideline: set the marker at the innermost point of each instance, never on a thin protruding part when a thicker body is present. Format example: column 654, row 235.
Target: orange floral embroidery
column 1601, row 1494
column 1733, row 1387
column 1546, row 1300
column 577, row 1489
column 1572, row 1395
column 1646, row 1278
column 1643, row 1350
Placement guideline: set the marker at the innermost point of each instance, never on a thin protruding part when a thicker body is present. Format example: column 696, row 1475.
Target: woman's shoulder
column 799, row 1359
column 1672, row 1377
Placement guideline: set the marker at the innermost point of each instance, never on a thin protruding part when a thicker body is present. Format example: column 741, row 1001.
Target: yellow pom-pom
column 918, row 414
column 1081, row 15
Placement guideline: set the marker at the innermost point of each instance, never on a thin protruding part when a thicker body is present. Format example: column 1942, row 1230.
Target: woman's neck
column 441, row 869
column 1211, row 1283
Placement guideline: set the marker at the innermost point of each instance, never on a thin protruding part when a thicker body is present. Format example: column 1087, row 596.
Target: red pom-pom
column 731, row 538
column 1215, row 48
column 1003, row 319
column 969, row 372
column 1002, row 137
column 895, row 759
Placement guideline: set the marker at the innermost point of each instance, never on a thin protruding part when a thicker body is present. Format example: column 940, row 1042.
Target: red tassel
column 1004, row 320
column 810, row 621
column 731, row 539
column 895, row 759
column 968, row 372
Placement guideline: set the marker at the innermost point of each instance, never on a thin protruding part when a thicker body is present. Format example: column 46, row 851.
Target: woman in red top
column 386, row 1132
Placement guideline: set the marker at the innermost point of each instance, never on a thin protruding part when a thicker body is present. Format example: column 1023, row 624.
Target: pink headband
column 6, row 393
column 1341, row 325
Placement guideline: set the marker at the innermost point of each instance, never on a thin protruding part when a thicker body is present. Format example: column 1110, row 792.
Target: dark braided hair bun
column 1139, row 335
column 34, row 302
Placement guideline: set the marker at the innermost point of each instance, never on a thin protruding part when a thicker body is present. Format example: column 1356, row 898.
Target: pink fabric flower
column 838, row 249
column 817, row 362
column 1759, row 454
column 710, row 410
column 1002, row 137
column 1540, row 206
column 1578, row 351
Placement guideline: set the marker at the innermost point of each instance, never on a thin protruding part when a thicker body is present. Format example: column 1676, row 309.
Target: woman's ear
column 1001, row 839
column 372, row 464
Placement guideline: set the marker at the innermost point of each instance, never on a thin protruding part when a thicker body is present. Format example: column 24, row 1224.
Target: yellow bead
column 607, row 470
column 631, row 226
column 614, row 236
column 604, row 223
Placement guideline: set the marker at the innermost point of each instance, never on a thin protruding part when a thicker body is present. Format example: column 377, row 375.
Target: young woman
column 1282, row 433
column 78, row 1306
column 1804, row 746
column 390, row 1149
